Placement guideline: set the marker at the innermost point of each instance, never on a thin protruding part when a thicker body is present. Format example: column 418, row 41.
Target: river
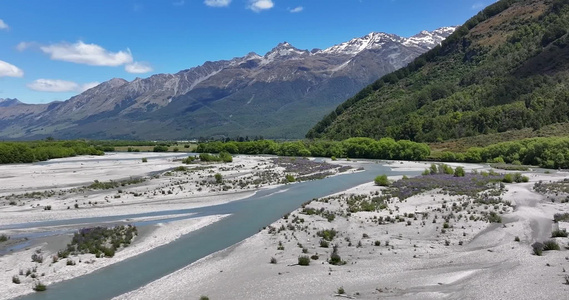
column 247, row 217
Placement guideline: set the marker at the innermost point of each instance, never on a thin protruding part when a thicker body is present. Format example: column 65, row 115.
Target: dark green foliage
column 561, row 217
column 381, row 180
column 303, row 260
column 222, row 157
column 341, row 291
column 482, row 79
column 39, row 287
column 324, row 244
column 459, row 172
column 517, row 239
column 386, row 148
column 218, row 178
column 546, row 152
column 101, row 241
column 144, row 159
column 289, row 178
column 550, row 245
column 160, row 148
column 204, row 298
column 559, row 233
column 27, row 152
column 335, row 258
column 105, row 185
column 327, row 234
column 4, row 238
column 189, row 160
column 273, row 260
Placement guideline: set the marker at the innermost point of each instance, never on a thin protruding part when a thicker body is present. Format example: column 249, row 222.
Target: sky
column 53, row 50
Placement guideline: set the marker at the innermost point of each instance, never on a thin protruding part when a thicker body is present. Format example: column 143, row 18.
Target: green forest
column 28, row 152
column 506, row 68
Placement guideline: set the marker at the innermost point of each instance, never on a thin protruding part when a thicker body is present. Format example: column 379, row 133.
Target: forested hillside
column 506, row 68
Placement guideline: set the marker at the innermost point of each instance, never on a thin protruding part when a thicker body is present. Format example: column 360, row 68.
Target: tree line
column 28, row 152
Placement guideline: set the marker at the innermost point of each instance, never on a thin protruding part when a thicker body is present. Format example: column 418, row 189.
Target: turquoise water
column 247, row 217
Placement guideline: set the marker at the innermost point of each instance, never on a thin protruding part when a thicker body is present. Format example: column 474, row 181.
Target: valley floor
column 443, row 248
column 42, row 204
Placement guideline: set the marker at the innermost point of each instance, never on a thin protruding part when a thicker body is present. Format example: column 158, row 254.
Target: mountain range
column 507, row 68
column 278, row 95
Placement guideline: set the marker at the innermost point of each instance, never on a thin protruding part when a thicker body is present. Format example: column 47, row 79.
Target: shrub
column 315, row 257
column 508, row 178
column 204, row 298
column 39, row 287
column 559, row 233
column 327, row 234
column 273, row 260
column 303, row 260
column 16, row 279
column 144, row 159
column 218, row 178
column 537, row 248
column 381, row 180
column 4, row 238
column 37, row 258
column 550, row 245
column 289, row 178
column 459, row 172
column 517, row 239
column 160, row 148
column 335, row 258
column 341, row 290
column 324, row 243
column 377, row 243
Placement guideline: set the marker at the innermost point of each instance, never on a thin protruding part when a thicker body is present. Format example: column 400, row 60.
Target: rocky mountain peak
column 7, row 102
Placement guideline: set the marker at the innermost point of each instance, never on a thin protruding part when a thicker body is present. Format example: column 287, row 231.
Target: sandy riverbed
column 471, row 259
column 60, row 190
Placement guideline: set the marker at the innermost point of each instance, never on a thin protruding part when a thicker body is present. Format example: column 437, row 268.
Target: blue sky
column 52, row 50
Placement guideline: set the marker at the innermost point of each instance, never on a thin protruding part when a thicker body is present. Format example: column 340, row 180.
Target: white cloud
column 53, row 85
column 88, row 85
column 296, row 9
column 138, row 68
column 478, row 6
column 217, row 3
column 89, row 54
column 57, row 86
column 25, row 45
column 3, row 25
column 9, row 70
column 259, row 5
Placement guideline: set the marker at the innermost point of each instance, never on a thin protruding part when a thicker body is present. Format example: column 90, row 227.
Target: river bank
column 62, row 195
column 444, row 248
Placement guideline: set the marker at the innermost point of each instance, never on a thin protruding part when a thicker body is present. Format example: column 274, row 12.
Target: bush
column 537, row 248
column 273, row 260
column 517, row 239
column 327, row 234
column 559, row 233
column 16, row 279
column 204, row 298
column 381, row 180
column 303, row 260
column 459, row 172
column 377, row 243
column 144, row 159
column 39, row 287
column 551, row 245
column 341, row 290
column 160, row 148
column 4, row 238
column 324, row 244
column 37, row 258
column 508, row 178
column 289, row 178
column 218, row 178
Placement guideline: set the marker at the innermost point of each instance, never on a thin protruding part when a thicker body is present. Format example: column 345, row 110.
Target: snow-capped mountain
column 279, row 94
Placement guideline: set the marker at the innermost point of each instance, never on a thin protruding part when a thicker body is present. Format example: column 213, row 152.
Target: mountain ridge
column 240, row 96
column 506, row 68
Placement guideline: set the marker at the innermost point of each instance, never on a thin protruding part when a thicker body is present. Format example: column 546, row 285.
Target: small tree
column 459, row 172
column 382, row 180
column 218, row 178
column 303, row 260
column 144, row 159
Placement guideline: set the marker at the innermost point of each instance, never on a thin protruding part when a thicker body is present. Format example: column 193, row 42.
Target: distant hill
column 506, row 68
column 278, row 95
